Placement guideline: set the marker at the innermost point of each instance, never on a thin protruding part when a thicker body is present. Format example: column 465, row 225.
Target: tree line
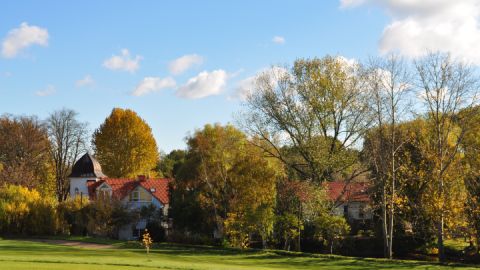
column 40, row 153
column 407, row 128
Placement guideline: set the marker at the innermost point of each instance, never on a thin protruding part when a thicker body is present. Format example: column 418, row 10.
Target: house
column 88, row 180
column 351, row 200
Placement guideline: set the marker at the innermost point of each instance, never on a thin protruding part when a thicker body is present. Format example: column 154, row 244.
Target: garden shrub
column 24, row 211
column 74, row 214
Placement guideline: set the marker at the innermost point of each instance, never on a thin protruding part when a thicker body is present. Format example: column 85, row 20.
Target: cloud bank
column 417, row 27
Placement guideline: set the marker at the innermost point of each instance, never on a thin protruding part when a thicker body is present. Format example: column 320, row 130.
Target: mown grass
column 21, row 254
column 87, row 239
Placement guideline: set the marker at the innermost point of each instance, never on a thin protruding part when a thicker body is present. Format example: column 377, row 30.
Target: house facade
column 351, row 200
column 88, row 180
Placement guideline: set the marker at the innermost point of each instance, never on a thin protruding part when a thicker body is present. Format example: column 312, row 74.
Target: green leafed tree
column 318, row 109
column 124, row 145
column 231, row 180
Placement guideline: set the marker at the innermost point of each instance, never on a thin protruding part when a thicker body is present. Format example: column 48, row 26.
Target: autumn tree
column 299, row 204
column 124, row 145
column 68, row 138
column 470, row 147
column 446, row 86
column 318, row 109
column 24, row 148
column 388, row 80
column 233, row 181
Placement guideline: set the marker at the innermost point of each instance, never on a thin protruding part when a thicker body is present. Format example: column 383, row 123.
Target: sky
column 183, row 64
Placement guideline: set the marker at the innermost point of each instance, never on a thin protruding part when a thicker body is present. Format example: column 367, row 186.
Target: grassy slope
column 29, row 255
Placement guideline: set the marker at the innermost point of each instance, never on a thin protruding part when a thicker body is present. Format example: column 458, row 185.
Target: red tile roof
column 121, row 187
column 351, row 192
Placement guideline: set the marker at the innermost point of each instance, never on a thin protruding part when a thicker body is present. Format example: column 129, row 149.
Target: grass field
column 16, row 254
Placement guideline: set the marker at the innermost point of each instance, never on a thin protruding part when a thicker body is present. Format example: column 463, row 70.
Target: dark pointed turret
column 87, row 166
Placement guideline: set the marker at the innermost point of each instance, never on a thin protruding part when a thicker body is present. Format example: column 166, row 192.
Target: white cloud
column 246, row 87
column 417, row 27
column 153, row 84
column 48, row 91
column 86, row 81
column 22, row 38
column 204, row 84
column 7, row 74
column 278, row 40
column 123, row 62
column 182, row 64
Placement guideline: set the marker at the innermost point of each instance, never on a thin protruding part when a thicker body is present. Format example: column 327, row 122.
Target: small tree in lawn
column 147, row 241
column 332, row 229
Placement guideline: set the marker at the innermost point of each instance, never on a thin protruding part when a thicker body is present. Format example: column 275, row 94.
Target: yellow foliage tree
column 124, row 145
column 236, row 182
column 147, row 241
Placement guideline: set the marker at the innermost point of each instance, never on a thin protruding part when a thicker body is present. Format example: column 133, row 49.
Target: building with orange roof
column 87, row 180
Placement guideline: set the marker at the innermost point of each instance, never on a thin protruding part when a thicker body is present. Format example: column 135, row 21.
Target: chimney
column 141, row 177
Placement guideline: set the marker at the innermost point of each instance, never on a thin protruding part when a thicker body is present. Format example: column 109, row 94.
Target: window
column 135, row 196
column 104, row 191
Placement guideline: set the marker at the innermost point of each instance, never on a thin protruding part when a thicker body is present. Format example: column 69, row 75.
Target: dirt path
column 71, row 243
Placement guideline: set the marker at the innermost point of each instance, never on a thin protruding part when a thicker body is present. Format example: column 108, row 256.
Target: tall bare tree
column 447, row 86
column 310, row 116
column 389, row 82
column 68, row 138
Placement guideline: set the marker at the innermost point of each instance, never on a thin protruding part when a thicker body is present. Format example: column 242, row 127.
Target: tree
column 124, row 145
column 24, row 149
column 470, row 147
column 147, row 241
column 447, row 87
column 299, row 204
column 68, row 139
column 389, row 82
column 171, row 163
column 318, row 109
column 231, row 180
column 331, row 228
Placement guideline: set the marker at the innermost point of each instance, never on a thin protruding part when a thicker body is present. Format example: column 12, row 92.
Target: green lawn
column 15, row 254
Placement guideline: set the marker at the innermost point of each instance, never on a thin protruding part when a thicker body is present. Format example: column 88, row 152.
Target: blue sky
column 92, row 56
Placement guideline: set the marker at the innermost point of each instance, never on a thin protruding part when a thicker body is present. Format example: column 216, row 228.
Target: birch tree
column 388, row 82
column 446, row 87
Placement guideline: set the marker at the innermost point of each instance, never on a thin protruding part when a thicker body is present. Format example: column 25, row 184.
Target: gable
column 140, row 194
column 121, row 188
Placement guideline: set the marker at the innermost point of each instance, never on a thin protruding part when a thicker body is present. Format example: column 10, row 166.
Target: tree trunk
column 384, row 222
column 441, row 251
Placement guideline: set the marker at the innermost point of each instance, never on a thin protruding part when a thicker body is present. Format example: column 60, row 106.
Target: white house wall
column 81, row 184
column 354, row 209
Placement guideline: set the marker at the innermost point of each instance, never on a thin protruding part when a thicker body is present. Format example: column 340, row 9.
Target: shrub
column 157, row 232
column 25, row 211
column 106, row 215
column 74, row 214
